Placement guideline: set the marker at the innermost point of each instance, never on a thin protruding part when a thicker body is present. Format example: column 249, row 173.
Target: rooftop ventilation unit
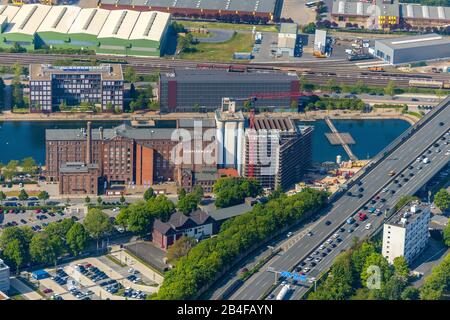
column 27, row 18
column 60, row 16
column 150, row 24
column 119, row 23
column 89, row 20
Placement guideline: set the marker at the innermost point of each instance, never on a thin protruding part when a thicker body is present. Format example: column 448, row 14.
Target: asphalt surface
column 373, row 182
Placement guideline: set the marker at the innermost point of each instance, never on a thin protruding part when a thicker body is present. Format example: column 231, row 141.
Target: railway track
column 316, row 71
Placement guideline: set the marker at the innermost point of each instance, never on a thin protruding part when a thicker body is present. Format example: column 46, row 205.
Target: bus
column 313, row 3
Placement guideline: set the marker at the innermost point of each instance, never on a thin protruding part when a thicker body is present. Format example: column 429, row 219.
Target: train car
column 426, row 84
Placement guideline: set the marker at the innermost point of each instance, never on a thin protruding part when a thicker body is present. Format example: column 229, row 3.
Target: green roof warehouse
column 118, row 32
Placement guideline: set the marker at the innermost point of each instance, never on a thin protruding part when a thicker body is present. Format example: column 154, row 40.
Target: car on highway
column 350, row 230
column 368, row 226
column 360, row 195
column 289, row 234
column 309, row 233
column 317, row 259
column 341, row 229
column 328, row 222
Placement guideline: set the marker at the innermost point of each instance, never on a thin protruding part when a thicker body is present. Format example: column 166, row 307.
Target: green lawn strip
column 223, row 51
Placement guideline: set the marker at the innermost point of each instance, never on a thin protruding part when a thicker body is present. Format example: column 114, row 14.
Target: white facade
column 406, row 233
column 205, row 230
column 230, row 136
column 4, row 277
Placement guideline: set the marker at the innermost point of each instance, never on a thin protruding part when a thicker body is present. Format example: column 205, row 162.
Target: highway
column 372, row 183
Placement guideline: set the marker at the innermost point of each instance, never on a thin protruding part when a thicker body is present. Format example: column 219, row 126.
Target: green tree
column 122, row 199
column 446, row 234
column 401, row 268
column 390, row 88
column 97, row 224
column 29, row 165
column 77, row 238
column 41, row 249
column 43, row 195
column 180, row 248
column 2, row 197
column 99, row 201
column 230, row 191
column 181, row 193
column 410, row 293
column 87, row 200
column 23, row 195
column 442, row 200
column 198, row 191
column 188, row 203
column 130, row 75
column 148, row 194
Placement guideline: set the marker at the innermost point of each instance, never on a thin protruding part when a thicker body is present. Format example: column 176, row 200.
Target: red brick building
column 197, row 225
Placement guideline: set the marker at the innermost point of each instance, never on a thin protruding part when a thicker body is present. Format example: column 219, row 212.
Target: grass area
column 202, row 35
column 229, row 26
column 15, row 193
column 21, row 110
column 144, row 263
column 116, row 261
column 240, row 42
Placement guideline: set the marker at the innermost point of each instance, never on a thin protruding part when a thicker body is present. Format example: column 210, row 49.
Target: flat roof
column 229, row 5
column 44, row 71
column 9, row 11
column 415, row 41
column 217, row 75
column 28, row 19
column 150, row 26
column 89, row 21
column 59, row 19
column 407, row 214
column 119, row 24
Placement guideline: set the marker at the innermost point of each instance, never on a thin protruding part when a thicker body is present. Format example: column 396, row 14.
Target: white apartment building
column 4, row 277
column 406, row 232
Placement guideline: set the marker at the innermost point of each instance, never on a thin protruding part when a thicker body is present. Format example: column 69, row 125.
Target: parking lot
column 94, row 279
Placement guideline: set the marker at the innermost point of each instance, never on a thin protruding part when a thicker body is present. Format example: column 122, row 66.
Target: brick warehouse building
column 267, row 9
column 185, row 90
column 89, row 161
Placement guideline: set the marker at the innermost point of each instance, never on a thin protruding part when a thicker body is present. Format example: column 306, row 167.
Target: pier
column 342, row 138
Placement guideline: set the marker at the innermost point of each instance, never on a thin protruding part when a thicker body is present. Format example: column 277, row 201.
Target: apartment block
column 52, row 87
column 406, row 232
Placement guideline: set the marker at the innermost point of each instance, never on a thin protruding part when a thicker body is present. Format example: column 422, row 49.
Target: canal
column 20, row 139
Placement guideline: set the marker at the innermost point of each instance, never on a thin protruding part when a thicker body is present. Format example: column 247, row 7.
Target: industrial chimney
column 88, row 143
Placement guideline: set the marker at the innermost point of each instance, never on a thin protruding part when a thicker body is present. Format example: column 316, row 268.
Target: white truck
column 426, row 160
column 286, row 288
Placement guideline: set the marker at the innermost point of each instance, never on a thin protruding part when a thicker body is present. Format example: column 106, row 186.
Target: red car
column 48, row 290
column 362, row 216
column 38, row 211
column 11, row 211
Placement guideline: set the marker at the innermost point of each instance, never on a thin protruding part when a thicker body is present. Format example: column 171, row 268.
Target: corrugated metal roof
column 150, row 26
column 120, row 24
column 28, row 19
column 9, row 11
column 59, row 19
column 89, row 21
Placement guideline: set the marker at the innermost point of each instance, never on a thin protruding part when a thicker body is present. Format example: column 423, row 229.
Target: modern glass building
column 50, row 86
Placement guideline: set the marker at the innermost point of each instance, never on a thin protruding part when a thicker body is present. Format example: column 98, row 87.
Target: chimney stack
column 88, row 143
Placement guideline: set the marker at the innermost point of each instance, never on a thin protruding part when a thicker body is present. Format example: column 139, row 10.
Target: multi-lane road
column 423, row 135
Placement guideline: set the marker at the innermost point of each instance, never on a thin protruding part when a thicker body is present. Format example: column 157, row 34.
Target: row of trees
column 336, row 104
column 230, row 18
column 26, row 166
column 209, row 258
column 230, row 191
column 23, row 195
column 442, row 199
column 22, row 246
column 437, row 285
column 350, row 277
column 139, row 216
